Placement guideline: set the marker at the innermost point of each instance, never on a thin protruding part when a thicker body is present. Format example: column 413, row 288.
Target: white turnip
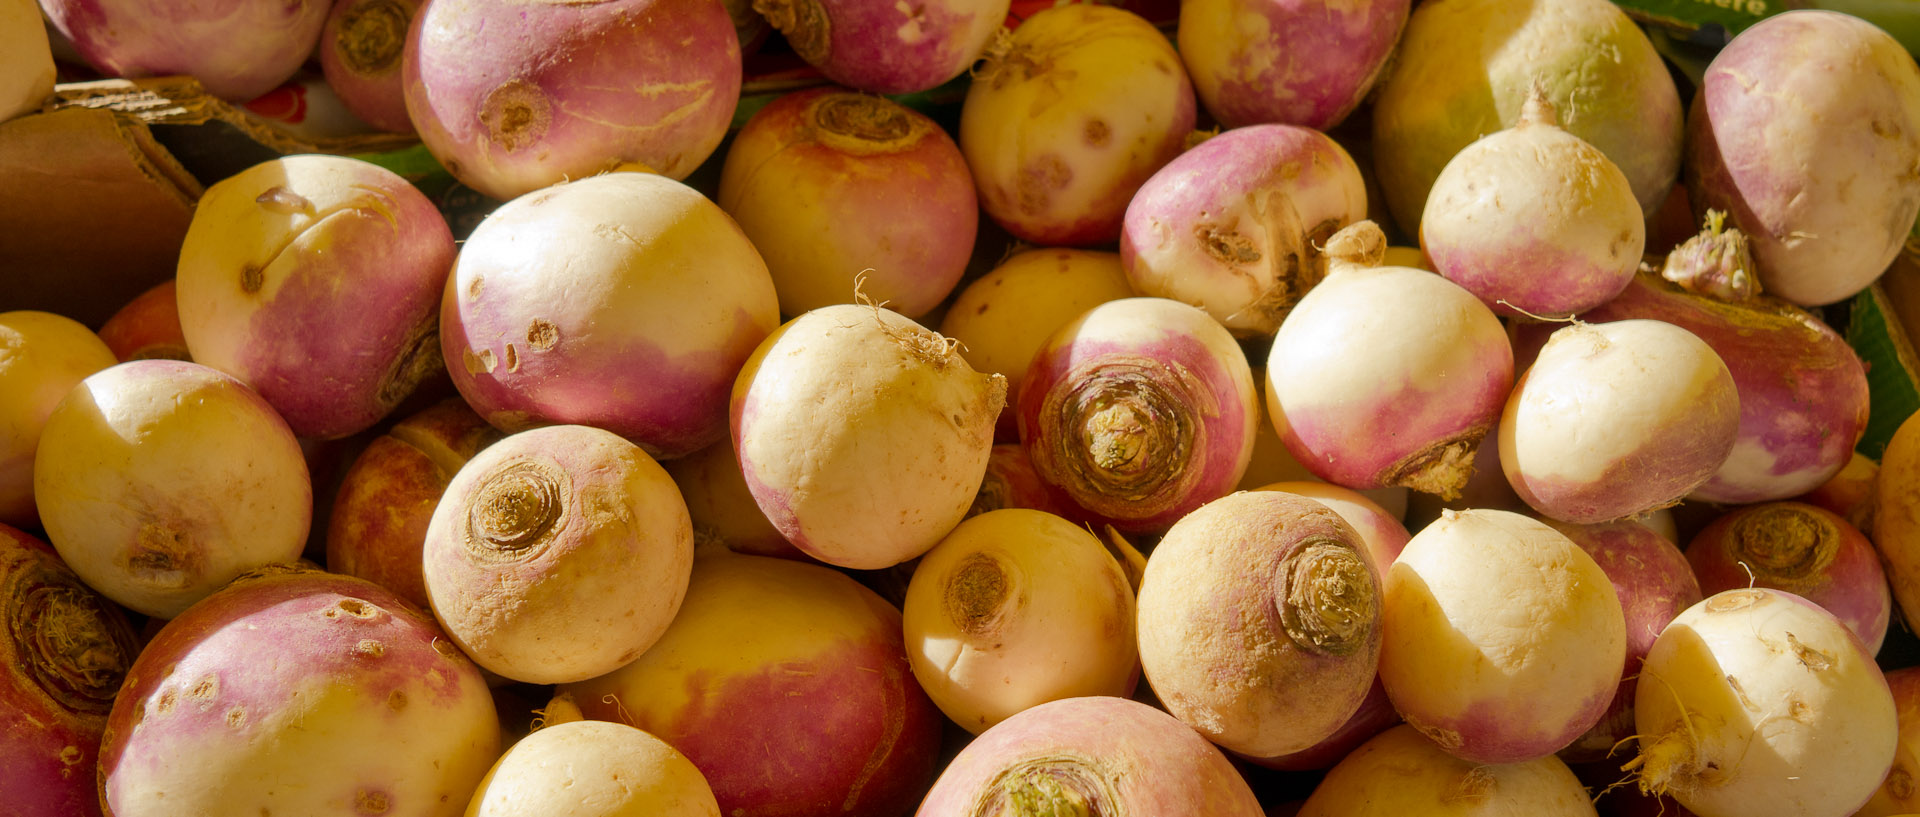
column 592, row 769
column 42, row 357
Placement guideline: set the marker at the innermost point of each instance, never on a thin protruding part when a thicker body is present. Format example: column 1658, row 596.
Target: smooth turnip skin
column 1503, row 640
column 1235, row 225
column 1822, row 183
column 159, row 481
column 592, row 769
column 1401, row 772
column 1757, row 703
column 1803, row 389
column 1061, row 174
column 1272, row 462
column 1898, row 795
column 1464, row 68
column 1375, row 715
column 1101, row 757
column 147, row 327
column 1380, row 531
column 842, row 191
column 887, row 48
column 558, row 554
column 514, row 97
column 1260, row 622
column 862, row 435
column 360, row 50
column 1849, row 493
column 27, row 73
column 237, row 49
column 721, row 506
column 1658, row 414
column 1243, row 56
column 1896, row 518
column 626, row 302
column 1011, row 481
column 787, row 685
column 1140, row 410
column 1534, row 220
column 1807, row 551
column 298, row 692
column 315, row 280
column 1654, row 583
column 42, row 357
column 67, row 651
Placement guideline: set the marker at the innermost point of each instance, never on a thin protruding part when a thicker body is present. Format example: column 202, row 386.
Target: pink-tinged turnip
column 293, row 691
column 1016, row 608
column 1011, row 481
column 1272, row 463
column 1260, row 622
column 147, row 327
column 863, row 436
column 1386, row 375
column 722, row 507
column 1141, row 410
column 1100, row 757
column 592, row 769
column 42, row 357
column 1579, row 445
column 1807, row 551
column 833, row 186
column 237, row 49
column 1898, row 794
column 315, row 280
column 625, row 301
column 1803, row 389
column 26, row 70
column 1401, row 772
column 1849, row 492
column 159, row 481
column 558, row 554
column 66, row 655
column 787, row 685
column 1382, row 533
column 360, row 49
column 887, row 47
column 513, row 97
column 1464, row 69
column 1824, row 184
column 1236, row 225
column 1757, row 703
column 1504, row 641
column 1244, row 57
column 1065, row 119
column 1534, row 220
column 1654, row 583
column 1375, row 715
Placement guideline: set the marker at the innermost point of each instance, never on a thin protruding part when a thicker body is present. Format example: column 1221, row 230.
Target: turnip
column 1896, row 518
column 237, row 49
column 360, row 50
column 147, row 327
column 1016, row 608
column 1807, row 551
column 787, row 685
column 1091, row 756
column 812, row 164
column 1272, row 463
column 1235, row 226
column 1386, row 375
column 1061, row 174
column 1141, row 410
column 1380, row 531
column 1897, row 794
column 1243, row 57
column 887, row 48
column 863, row 436
column 1402, row 772
column 1654, row 583
column 1756, row 703
column 1534, row 220
column 66, row 653
column 1260, row 622
column 293, row 691
column 1503, row 640
column 1803, row 389
column 625, row 301
column 1012, row 482
column 1821, row 183
column 1375, row 715
column 1464, row 69
column 315, row 280
column 42, row 357
column 1579, row 447
column 1849, row 492
column 159, row 481
column 1716, row 262
column 26, row 72
column 512, row 98
column 592, row 769
column 721, row 506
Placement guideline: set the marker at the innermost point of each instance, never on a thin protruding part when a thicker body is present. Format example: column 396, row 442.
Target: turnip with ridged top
column 360, row 55
column 1807, row 551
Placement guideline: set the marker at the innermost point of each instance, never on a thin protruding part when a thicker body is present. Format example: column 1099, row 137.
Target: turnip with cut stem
column 1807, row 551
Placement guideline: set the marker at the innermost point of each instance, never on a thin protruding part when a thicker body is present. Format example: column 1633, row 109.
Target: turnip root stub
column 863, row 436
column 360, row 51
column 1260, row 622
column 1142, row 409
column 558, row 554
column 1807, row 551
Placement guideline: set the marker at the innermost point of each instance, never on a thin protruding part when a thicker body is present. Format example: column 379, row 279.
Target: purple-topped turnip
column 887, row 47
column 237, row 49
column 1243, row 56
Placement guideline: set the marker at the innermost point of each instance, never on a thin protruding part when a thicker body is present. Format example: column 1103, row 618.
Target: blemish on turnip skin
column 251, row 279
column 279, row 199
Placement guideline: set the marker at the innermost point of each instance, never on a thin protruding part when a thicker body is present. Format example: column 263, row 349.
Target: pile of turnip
column 1372, row 408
